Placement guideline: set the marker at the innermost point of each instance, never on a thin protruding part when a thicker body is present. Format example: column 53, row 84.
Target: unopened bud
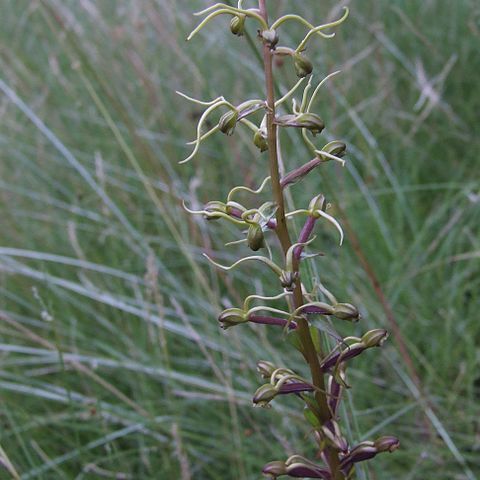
column 317, row 203
column 260, row 141
column 237, row 25
column 275, row 469
column 363, row 451
column 228, row 122
column 270, row 38
column 255, row 237
column 214, row 207
column 375, row 338
column 231, row 317
column 265, row 369
column 335, row 148
column 346, row 311
column 387, row 444
column 303, row 66
column 310, row 121
column 300, row 467
column 264, row 395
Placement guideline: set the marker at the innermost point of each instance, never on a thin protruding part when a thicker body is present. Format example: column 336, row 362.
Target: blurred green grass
column 113, row 365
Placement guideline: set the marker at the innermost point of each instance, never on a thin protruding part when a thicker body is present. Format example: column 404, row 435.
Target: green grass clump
column 113, row 365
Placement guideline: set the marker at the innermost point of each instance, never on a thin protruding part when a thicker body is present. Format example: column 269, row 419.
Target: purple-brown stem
column 272, row 321
column 295, row 175
column 304, row 236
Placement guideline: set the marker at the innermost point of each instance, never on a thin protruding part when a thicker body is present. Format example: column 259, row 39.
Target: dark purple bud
column 296, row 387
column 320, row 308
column 363, row 451
column 297, row 470
column 275, row 469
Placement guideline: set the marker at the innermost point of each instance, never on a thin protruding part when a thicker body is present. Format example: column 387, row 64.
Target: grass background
column 112, row 362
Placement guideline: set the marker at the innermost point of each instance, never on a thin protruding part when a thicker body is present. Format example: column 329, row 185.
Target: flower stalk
column 321, row 389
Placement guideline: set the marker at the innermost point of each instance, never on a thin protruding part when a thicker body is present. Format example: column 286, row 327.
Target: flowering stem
column 282, row 232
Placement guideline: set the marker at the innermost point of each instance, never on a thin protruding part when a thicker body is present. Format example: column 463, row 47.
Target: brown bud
column 269, row 37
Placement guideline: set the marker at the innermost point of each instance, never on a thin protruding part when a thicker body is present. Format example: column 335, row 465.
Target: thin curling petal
column 265, row 260
column 317, row 88
column 242, row 188
column 214, row 215
column 222, row 9
column 298, row 18
column 322, row 153
column 202, row 120
column 289, row 257
column 200, row 102
column 332, row 220
column 318, row 29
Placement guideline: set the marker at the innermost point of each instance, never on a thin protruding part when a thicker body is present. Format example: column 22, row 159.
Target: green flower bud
column 255, row 237
column 346, row 311
column 237, row 25
column 375, row 338
column 317, row 203
column 228, row 122
column 264, row 395
column 303, row 66
column 231, row 317
column 269, row 37
column 265, row 369
column 260, row 141
column 310, row 121
column 336, row 148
